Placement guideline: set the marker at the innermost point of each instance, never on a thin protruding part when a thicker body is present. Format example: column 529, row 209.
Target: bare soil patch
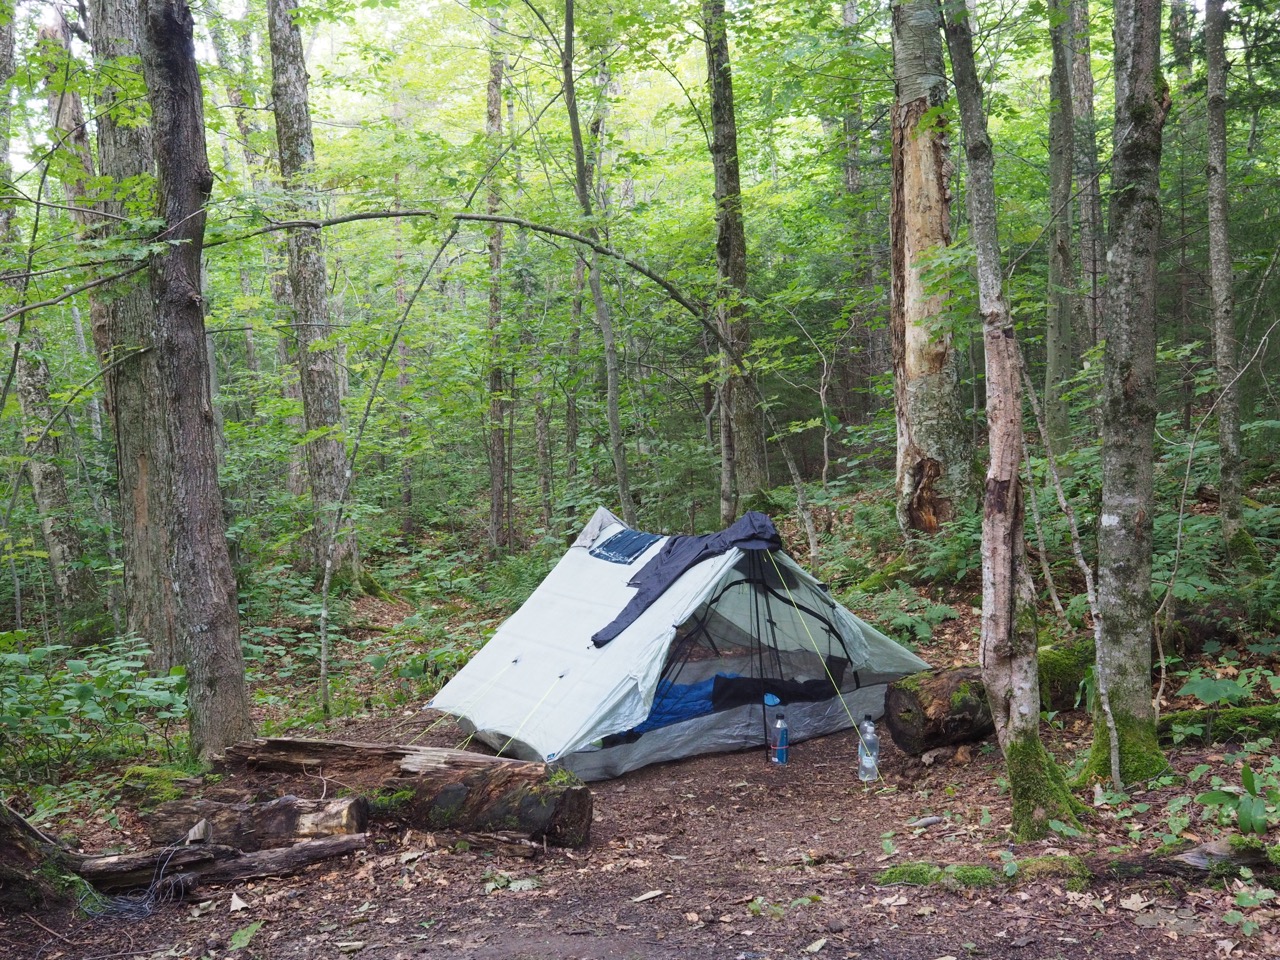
column 717, row 857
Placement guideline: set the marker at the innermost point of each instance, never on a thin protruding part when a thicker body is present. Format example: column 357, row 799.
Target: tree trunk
column 434, row 788
column 1186, row 133
column 317, row 360
column 1008, row 647
column 937, row 709
column 1059, row 348
column 1225, row 348
column 582, row 183
column 1093, row 268
column 495, row 418
column 127, row 339
column 258, row 826
column 1123, row 626
column 744, row 462
column 934, row 470
column 203, row 586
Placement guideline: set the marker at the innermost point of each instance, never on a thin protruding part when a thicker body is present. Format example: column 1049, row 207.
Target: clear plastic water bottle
column 868, row 750
column 779, row 741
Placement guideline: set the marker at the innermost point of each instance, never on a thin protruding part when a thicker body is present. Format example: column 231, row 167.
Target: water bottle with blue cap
column 779, row 737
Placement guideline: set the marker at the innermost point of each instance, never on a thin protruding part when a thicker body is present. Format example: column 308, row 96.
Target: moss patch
column 886, row 576
column 1140, row 755
column 148, row 787
column 913, row 874
column 1040, row 792
column 1216, row 726
column 1062, row 669
column 967, row 875
column 1068, row 868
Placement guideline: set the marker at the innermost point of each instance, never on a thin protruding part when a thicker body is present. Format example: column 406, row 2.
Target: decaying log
column 210, row 862
column 928, row 710
column 258, row 826
column 25, row 855
column 432, row 788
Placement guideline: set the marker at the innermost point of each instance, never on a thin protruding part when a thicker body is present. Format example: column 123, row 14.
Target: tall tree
column 499, row 392
column 744, row 463
column 317, row 357
column 1059, row 348
column 583, row 177
column 1009, row 638
column 73, row 583
column 934, row 470
column 1222, row 299
column 125, row 341
column 1093, row 266
column 203, row 592
column 1123, row 627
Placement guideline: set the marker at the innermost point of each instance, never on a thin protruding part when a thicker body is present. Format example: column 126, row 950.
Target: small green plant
column 63, row 709
column 1255, row 806
column 760, row 907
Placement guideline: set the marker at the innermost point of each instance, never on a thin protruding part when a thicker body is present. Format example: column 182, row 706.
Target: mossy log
column 258, row 826
column 937, row 709
column 1062, row 669
column 433, row 788
column 28, row 861
column 1220, row 725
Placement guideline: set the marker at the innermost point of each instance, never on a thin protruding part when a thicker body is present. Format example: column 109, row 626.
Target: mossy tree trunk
column 1123, row 627
column 1009, row 639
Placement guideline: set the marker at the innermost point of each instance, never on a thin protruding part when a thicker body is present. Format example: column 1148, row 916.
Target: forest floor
column 714, row 857
column 725, row 857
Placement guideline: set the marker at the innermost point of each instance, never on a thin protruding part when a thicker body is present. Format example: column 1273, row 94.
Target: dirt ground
column 723, row 857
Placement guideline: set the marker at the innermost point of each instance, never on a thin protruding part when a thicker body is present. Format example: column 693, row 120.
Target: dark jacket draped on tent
column 753, row 531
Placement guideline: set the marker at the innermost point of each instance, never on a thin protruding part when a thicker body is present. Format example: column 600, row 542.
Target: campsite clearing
column 720, row 856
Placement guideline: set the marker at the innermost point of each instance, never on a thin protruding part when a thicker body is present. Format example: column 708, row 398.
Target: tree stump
column 928, row 710
column 433, row 788
column 25, row 858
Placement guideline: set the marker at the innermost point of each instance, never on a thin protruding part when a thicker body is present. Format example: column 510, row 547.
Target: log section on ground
column 258, row 826
column 937, row 709
column 25, row 858
column 209, row 861
column 433, row 788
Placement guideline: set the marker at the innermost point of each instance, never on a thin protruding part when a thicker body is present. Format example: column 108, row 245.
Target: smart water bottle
column 868, row 750
column 779, row 741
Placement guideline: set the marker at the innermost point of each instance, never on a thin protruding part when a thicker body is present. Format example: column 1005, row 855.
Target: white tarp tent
column 689, row 672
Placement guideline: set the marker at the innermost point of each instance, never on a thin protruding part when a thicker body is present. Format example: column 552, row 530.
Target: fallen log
column 26, row 856
column 432, row 788
column 209, row 862
column 258, row 826
column 937, row 709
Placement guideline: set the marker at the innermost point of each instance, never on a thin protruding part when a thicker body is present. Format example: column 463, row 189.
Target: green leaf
column 242, row 937
column 1249, row 781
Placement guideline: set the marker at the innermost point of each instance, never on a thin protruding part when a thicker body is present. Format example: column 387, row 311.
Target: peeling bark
column 934, row 473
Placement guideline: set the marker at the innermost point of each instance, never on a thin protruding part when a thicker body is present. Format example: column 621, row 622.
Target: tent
column 637, row 649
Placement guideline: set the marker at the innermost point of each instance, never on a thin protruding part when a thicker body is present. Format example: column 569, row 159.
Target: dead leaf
column 237, row 904
column 963, row 754
column 651, row 895
column 816, row 946
column 692, row 917
column 1135, row 902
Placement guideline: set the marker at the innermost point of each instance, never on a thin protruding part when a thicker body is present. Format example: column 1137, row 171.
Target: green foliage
column 1256, row 806
column 63, row 710
column 901, row 612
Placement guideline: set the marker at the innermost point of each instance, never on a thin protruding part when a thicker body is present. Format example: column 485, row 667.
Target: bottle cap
column 782, row 716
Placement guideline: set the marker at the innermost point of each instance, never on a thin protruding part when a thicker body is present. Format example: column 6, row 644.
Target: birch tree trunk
column 1009, row 640
column 1059, row 349
column 582, row 184
column 204, row 587
column 934, row 469
column 1093, row 268
column 73, row 585
column 743, row 459
column 1123, row 627
column 317, row 359
column 125, row 336
column 1235, row 538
